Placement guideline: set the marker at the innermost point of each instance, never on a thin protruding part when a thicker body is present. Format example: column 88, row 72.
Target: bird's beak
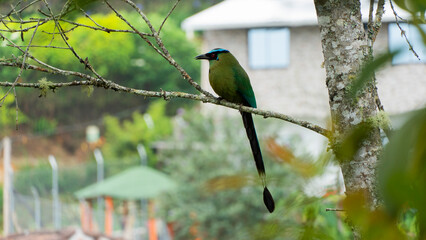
column 202, row 56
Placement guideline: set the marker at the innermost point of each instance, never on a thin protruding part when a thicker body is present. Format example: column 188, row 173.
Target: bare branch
column 16, row 108
column 378, row 18
column 41, row 46
column 91, row 81
column 166, row 54
column 143, row 36
column 99, row 81
column 65, row 39
column 14, row 11
column 373, row 29
column 25, row 54
column 375, row 24
column 39, row 23
column 410, row 47
column 168, row 15
column 334, row 210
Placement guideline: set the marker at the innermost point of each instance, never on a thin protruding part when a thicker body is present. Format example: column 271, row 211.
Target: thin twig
column 65, row 39
column 25, row 7
column 24, row 59
column 108, row 30
column 334, row 210
column 39, row 23
column 410, row 47
column 40, row 46
column 168, row 15
column 55, row 33
column 88, row 16
column 165, row 53
column 16, row 108
column 143, row 36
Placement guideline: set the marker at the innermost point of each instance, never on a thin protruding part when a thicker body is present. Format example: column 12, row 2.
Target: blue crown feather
column 219, row 50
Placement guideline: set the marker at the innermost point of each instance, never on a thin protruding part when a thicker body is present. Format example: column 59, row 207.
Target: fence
column 30, row 203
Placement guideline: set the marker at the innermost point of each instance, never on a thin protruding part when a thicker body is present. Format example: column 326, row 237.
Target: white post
column 144, row 204
column 7, row 186
column 100, row 177
column 37, row 208
column 142, row 154
column 55, row 193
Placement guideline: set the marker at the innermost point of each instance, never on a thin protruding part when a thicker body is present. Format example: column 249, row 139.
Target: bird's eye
column 213, row 56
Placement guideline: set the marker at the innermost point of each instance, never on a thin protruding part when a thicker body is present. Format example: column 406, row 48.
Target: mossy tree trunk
column 345, row 50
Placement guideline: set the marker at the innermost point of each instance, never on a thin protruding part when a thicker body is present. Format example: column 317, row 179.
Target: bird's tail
column 257, row 154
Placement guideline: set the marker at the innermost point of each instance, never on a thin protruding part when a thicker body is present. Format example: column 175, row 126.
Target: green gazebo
column 135, row 183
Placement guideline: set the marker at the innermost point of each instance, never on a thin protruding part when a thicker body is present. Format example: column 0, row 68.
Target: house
column 278, row 43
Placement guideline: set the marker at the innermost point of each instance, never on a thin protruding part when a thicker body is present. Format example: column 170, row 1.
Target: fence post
column 100, row 177
column 142, row 154
column 7, row 187
column 143, row 202
column 37, row 208
column 56, row 211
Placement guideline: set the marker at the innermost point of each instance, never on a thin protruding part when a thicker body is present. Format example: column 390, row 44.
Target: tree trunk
column 345, row 50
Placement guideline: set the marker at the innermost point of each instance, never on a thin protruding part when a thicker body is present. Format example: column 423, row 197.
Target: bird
column 231, row 82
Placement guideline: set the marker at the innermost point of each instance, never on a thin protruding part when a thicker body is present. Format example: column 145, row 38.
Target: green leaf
column 402, row 173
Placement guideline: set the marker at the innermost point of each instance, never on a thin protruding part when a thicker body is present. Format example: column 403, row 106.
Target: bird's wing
column 244, row 87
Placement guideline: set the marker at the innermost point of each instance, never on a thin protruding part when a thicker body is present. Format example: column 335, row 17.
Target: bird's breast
column 224, row 84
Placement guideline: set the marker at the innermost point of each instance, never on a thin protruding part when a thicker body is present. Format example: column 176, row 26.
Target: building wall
column 299, row 90
column 401, row 88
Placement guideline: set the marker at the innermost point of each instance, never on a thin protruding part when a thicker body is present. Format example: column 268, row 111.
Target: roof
column 134, row 183
column 63, row 234
column 239, row 14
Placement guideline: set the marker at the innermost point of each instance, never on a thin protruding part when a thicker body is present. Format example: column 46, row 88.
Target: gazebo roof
column 134, row 183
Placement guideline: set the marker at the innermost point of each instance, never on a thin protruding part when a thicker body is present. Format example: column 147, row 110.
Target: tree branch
column 168, row 15
column 167, row 95
column 410, row 47
column 99, row 81
column 165, row 52
column 373, row 29
column 25, row 54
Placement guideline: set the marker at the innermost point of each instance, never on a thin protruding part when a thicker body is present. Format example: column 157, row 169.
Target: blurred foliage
column 401, row 183
column 306, row 168
column 220, row 196
column 348, row 145
column 403, row 171
column 8, row 113
column 44, row 126
column 416, row 7
column 122, row 138
column 121, row 57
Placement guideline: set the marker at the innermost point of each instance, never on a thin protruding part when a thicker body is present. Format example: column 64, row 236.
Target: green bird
column 229, row 80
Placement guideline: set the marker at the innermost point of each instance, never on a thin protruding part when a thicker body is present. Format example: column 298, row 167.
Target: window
column 269, row 47
column 398, row 42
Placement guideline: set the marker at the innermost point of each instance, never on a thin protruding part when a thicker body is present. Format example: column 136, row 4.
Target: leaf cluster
column 122, row 137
